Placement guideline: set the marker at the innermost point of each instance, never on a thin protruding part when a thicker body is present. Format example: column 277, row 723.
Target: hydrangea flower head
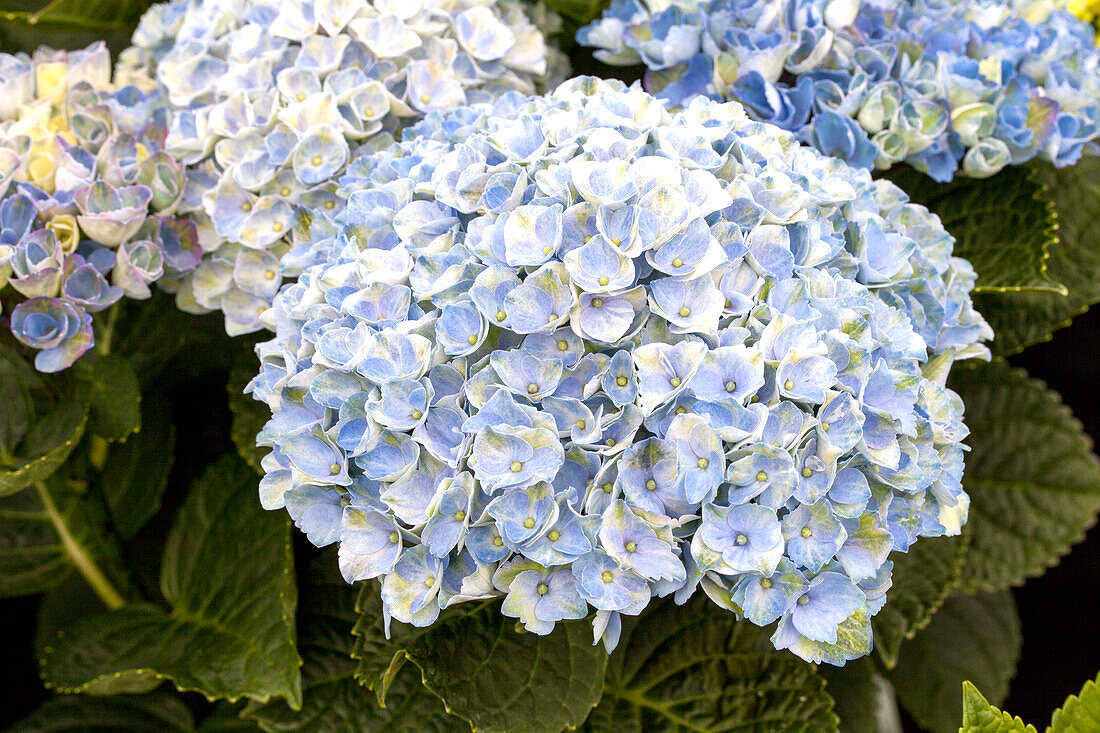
column 952, row 87
column 580, row 351
column 88, row 197
column 272, row 100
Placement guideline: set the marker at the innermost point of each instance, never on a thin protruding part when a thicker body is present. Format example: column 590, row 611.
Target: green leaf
column 1080, row 713
column 228, row 579
column 580, row 11
column 136, row 472
column 166, row 346
column 1003, row 224
column 1022, row 319
column 45, row 534
column 468, row 658
column 15, row 396
column 157, row 712
column 981, row 717
column 249, row 415
column 1033, row 480
column 110, row 387
column 98, row 15
column 974, row 638
column 333, row 701
column 922, row 578
column 47, row 445
column 695, row 668
column 852, row 688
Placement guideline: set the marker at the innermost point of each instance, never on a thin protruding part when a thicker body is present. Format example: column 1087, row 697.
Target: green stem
column 103, row 342
column 80, row 557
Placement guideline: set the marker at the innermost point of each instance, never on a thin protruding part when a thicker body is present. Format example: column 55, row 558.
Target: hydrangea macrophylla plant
column 272, row 100
column 579, row 351
column 87, row 198
column 950, row 87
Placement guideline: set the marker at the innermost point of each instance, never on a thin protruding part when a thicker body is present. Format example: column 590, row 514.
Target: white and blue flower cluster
column 579, row 352
column 87, row 198
column 273, row 99
column 948, row 86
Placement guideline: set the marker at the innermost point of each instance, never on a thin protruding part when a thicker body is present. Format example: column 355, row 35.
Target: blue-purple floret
column 951, row 88
column 581, row 351
column 88, row 199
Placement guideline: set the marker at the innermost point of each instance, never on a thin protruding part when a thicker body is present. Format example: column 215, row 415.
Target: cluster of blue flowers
column 947, row 86
column 88, row 198
column 272, row 100
column 579, row 351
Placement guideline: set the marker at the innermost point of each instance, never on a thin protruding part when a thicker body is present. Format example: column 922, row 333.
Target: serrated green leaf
column 1033, row 480
column 1080, row 713
column 1022, row 319
column 157, row 712
column 47, row 445
column 922, row 578
column 974, row 638
column 228, row 579
column 110, row 388
column 981, row 717
column 695, row 668
column 136, row 472
column 249, row 415
column 468, row 659
column 333, row 701
column 34, row 554
column 579, row 11
column 1003, row 224
column 97, row 15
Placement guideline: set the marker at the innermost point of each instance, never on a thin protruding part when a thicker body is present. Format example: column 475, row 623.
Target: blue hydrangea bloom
column 951, row 88
column 579, row 351
column 88, row 198
column 272, row 101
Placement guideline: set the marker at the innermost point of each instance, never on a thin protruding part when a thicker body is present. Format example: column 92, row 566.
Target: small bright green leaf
column 922, row 578
column 249, row 415
column 136, row 472
column 34, row 556
column 469, row 658
column 695, row 668
column 157, row 712
column 981, row 717
column 1080, row 713
column 1003, row 224
column 1022, row 319
column 110, row 387
column 98, row 15
column 228, row 579
column 1033, row 480
column 47, row 445
column 974, row 638
column 333, row 701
